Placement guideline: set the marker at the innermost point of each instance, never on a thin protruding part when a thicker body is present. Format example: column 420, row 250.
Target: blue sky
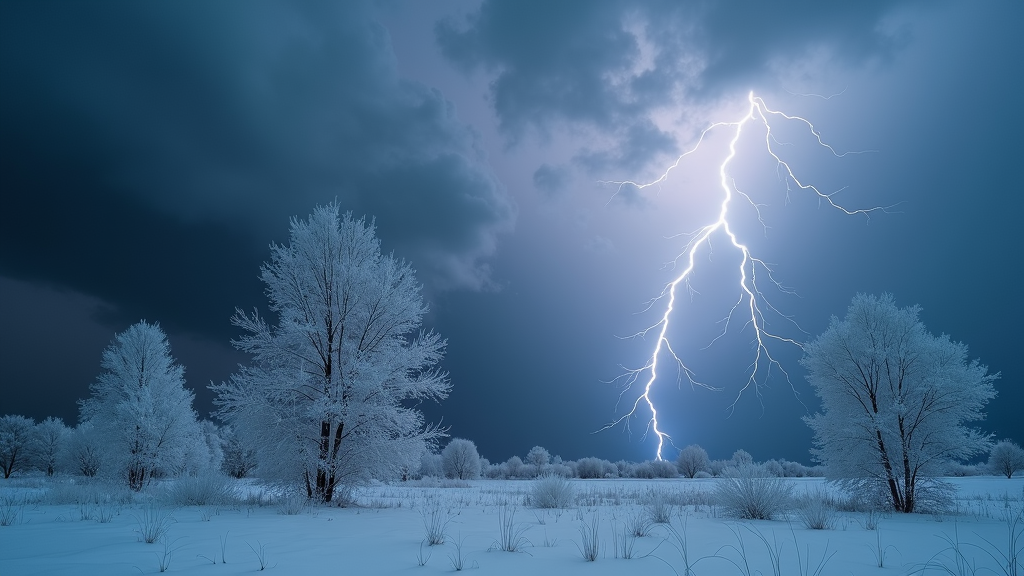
column 150, row 153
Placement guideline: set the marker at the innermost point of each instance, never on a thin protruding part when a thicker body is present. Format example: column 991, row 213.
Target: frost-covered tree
column 140, row 408
column 84, row 453
column 16, row 443
column 1006, row 458
column 538, row 457
column 692, row 459
column 741, row 459
column 895, row 402
column 330, row 396
column 51, row 437
column 239, row 459
column 460, row 460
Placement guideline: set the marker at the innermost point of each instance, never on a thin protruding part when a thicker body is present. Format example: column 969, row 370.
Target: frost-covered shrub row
column 692, row 462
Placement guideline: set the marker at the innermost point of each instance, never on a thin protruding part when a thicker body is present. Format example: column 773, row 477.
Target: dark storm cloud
column 607, row 64
column 551, row 180
column 638, row 144
column 174, row 139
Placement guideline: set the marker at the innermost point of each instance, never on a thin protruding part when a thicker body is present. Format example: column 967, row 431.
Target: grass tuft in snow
column 436, row 517
column 677, row 537
column 510, row 534
column 260, row 550
column 658, row 506
column 624, row 542
column 153, row 523
column 590, row 543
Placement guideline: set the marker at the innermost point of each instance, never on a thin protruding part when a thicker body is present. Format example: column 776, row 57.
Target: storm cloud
column 176, row 123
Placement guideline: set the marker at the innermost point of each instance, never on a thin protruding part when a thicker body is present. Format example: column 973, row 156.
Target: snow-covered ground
column 385, row 534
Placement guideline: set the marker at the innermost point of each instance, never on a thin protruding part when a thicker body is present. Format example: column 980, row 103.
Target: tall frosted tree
column 141, row 409
column 896, row 402
column 329, row 399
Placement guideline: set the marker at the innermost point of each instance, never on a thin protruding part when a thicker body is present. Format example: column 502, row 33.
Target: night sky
column 151, row 151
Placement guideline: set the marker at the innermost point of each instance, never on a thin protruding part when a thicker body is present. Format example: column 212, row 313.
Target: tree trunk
column 894, row 486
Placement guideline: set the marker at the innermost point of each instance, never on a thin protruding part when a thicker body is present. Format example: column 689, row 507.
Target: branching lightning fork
column 750, row 299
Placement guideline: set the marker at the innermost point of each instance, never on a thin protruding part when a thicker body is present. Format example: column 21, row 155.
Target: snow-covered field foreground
column 387, row 532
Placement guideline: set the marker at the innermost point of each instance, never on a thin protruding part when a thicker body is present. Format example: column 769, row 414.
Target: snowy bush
column 751, row 494
column 817, row 510
column 431, row 466
column 514, row 468
column 774, row 468
column 1006, row 458
column 460, row 460
column 552, row 492
column 717, row 467
column 691, row 460
column 202, row 490
column 741, row 458
column 538, row 457
column 590, row 468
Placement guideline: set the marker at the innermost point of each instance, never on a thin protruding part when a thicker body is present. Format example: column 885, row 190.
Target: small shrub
column 204, row 490
column 816, row 510
column 11, row 510
column 590, row 468
column 293, row 505
column 752, row 495
column 552, row 492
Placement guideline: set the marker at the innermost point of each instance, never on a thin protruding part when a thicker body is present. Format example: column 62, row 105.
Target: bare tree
column 692, row 459
column 1006, row 458
column 16, row 437
column 331, row 394
column 140, row 407
column 895, row 402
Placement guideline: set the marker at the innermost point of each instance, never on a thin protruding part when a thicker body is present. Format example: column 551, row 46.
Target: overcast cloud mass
column 150, row 153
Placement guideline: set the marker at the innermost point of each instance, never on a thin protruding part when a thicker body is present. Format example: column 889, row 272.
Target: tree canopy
column 330, row 394
column 895, row 402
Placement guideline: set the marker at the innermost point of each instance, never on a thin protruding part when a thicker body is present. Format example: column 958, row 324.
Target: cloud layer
column 212, row 123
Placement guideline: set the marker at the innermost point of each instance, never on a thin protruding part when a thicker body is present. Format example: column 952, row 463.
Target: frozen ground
column 385, row 533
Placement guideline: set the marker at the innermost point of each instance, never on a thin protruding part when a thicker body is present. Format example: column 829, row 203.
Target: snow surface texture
column 385, row 533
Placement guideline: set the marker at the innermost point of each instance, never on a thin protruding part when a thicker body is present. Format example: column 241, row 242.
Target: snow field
column 388, row 530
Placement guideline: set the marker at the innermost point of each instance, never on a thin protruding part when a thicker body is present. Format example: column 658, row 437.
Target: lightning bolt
column 751, row 301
